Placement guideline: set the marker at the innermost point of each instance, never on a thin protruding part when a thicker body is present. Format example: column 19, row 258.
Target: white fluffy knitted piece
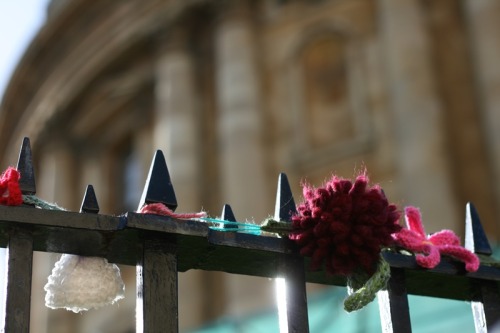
column 83, row 283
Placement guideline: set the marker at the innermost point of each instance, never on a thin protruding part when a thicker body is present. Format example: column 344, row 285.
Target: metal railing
column 161, row 246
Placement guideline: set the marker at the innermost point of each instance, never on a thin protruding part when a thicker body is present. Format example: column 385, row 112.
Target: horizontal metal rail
column 161, row 246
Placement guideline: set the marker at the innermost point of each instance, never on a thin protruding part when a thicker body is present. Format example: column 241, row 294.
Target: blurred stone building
column 236, row 91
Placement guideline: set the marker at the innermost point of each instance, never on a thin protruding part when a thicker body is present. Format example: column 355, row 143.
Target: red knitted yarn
column 10, row 192
column 344, row 225
column 161, row 209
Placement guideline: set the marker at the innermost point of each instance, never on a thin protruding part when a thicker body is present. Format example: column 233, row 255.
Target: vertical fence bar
column 157, row 278
column 393, row 304
column 291, row 285
column 485, row 306
column 20, row 257
column 18, row 294
column 292, row 288
column 157, row 303
column 485, row 301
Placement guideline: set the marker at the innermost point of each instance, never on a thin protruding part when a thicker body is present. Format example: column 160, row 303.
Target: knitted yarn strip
column 360, row 297
column 37, row 202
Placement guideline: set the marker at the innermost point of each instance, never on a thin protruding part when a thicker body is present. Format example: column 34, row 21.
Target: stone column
column 176, row 130
column 244, row 184
column 483, row 17
column 241, row 149
column 423, row 166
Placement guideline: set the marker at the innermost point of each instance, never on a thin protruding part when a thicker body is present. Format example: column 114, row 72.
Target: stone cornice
column 69, row 52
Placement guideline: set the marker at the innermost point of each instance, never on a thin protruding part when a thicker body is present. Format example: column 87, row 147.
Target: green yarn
column 360, row 294
column 282, row 228
column 488, row 260
column 37, row 202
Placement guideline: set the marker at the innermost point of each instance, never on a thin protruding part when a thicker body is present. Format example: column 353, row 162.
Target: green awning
column 326, row 314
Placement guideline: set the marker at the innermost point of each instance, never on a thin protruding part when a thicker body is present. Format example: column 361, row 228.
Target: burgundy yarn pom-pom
column 344, row 225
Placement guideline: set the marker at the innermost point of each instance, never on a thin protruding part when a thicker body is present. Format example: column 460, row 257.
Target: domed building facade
column 235, row 92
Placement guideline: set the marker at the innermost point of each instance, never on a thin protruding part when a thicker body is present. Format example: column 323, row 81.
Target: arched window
column 328, row 118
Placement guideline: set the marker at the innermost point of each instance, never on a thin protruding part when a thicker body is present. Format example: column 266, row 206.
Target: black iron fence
column 161, row 246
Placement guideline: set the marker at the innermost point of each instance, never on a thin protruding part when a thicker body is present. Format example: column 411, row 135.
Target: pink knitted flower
column 430, row 248
column 344, row 225
column 10, row 192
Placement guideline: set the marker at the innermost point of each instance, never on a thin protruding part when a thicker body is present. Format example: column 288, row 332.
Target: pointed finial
column 158, row 188
column 228, row 215
column 285, row 205
column 475, row 237
column 25, row 168
column 89, row 203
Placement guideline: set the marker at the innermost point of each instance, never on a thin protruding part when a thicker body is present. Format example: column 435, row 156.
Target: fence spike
column 285, row 204
column 89, row 203
column 25, row 168
column 158, row 188
column 227, row 215
column 475, row 237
